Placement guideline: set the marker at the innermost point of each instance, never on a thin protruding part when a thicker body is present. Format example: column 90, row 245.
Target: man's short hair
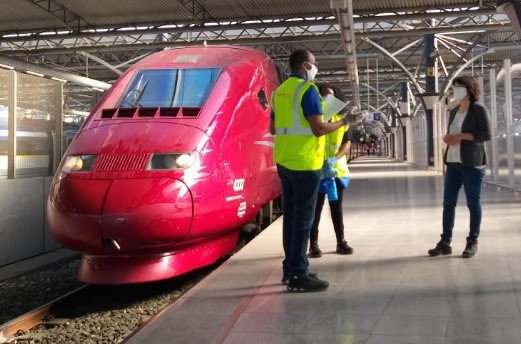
column 297, row 58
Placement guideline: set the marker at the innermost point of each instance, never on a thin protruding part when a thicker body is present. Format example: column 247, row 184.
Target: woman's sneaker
column 441, row 248
column 306, row 283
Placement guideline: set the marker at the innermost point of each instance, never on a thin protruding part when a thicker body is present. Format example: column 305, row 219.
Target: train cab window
column 263, row 99
column 282, row 76
column 169, row 88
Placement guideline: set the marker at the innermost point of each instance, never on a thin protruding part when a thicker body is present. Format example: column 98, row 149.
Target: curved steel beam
column 387, row 99
column 398, row 63
column 76, row 79
column 101, row 61
column 455, row 72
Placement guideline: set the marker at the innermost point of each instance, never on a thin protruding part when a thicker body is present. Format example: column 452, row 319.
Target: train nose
column 155, row 211
column 128, row 214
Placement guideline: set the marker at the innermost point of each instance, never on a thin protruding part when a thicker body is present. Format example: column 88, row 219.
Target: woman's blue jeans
column 472, row 180
column 299, row 192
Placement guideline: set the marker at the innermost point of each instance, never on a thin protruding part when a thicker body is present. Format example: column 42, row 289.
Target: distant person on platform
column 468, row 129
column 299, row 153
column 338, row 146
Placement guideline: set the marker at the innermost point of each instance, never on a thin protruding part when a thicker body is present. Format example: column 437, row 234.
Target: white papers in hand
column 332, row 106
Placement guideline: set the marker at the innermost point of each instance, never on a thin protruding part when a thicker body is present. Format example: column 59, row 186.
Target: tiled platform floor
column 389, row 291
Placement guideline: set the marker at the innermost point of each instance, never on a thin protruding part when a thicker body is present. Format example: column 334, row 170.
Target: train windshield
column 170, row 88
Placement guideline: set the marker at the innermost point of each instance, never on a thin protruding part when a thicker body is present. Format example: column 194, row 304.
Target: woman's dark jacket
column 477, row 123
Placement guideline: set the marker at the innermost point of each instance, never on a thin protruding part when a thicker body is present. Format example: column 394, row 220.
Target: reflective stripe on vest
column 297, row 127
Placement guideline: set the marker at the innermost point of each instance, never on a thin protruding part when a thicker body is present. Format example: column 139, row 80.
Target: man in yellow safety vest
column 299, row 131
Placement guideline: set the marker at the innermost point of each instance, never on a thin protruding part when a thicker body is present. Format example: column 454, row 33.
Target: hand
column 452, row 140
column 331, row 161
column 328, row 169
column 329, row 173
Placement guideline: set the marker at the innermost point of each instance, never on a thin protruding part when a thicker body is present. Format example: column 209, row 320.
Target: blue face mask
column 460, row 92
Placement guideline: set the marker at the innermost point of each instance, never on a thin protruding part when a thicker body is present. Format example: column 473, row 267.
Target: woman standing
column 465, row 159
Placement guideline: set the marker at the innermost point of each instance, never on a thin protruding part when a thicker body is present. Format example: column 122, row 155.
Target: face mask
column 459, row 92
column 311, row 73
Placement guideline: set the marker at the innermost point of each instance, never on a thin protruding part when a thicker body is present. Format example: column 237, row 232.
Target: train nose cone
column 149, row 211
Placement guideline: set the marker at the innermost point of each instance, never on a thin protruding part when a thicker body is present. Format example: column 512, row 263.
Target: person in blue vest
column 338, row 145
column 299, row 131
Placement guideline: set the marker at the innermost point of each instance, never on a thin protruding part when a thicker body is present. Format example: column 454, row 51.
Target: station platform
column 36, row 262
column 389, row 291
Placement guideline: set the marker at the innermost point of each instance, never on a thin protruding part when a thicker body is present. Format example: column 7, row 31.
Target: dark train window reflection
column 170, row 88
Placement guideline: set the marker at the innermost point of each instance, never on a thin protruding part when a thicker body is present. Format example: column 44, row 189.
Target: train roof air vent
column 168, row 111
column 191, row 111
column 126, row 112
column 108, row 113
column 150, row 112
column 147, row 112
column 179, row 111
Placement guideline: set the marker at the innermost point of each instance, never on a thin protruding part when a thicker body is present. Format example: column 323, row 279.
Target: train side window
column 282, row 76
column 261, row 95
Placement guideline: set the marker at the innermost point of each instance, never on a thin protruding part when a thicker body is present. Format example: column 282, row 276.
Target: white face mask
column 311, row 73
column 459, row 92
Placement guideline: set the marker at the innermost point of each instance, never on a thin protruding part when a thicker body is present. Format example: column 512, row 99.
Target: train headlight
column 78, row 163
column 171, row 161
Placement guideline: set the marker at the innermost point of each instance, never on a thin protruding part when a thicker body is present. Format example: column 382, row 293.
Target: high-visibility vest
column 332, row 145
column 296, row 148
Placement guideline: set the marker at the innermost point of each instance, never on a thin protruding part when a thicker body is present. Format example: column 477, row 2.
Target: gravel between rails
column 23, row 293
column 108, row 314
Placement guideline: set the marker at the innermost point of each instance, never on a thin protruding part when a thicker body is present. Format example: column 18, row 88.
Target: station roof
column 98, row 39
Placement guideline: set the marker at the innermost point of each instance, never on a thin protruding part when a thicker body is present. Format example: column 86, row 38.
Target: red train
column 172, row 162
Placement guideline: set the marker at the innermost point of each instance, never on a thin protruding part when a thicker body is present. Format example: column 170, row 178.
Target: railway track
column 25, row 322
column 97, row 314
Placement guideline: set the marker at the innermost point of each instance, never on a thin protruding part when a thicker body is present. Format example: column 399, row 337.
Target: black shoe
column 343, row 248
column 441, row 248
column 470, row 250
column 314, row 251
column 285, row 277
column 307, row 283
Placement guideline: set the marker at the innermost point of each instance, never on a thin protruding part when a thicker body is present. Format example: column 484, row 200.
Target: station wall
column 23, row 225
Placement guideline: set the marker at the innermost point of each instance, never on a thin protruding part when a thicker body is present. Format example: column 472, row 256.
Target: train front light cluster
column 78, row 163
column 171, row 161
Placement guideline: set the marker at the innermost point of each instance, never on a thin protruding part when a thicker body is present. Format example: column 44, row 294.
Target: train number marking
column 233, row 198
column 242, row 209
column 238, row 184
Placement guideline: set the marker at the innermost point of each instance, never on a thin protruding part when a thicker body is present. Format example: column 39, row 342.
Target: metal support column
column 493, row 126
column 508, row 120
column 431, row 80
column 58, row 127
column 11, row 124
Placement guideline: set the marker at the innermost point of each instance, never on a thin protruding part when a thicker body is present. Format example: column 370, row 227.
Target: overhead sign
column 373, row 116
